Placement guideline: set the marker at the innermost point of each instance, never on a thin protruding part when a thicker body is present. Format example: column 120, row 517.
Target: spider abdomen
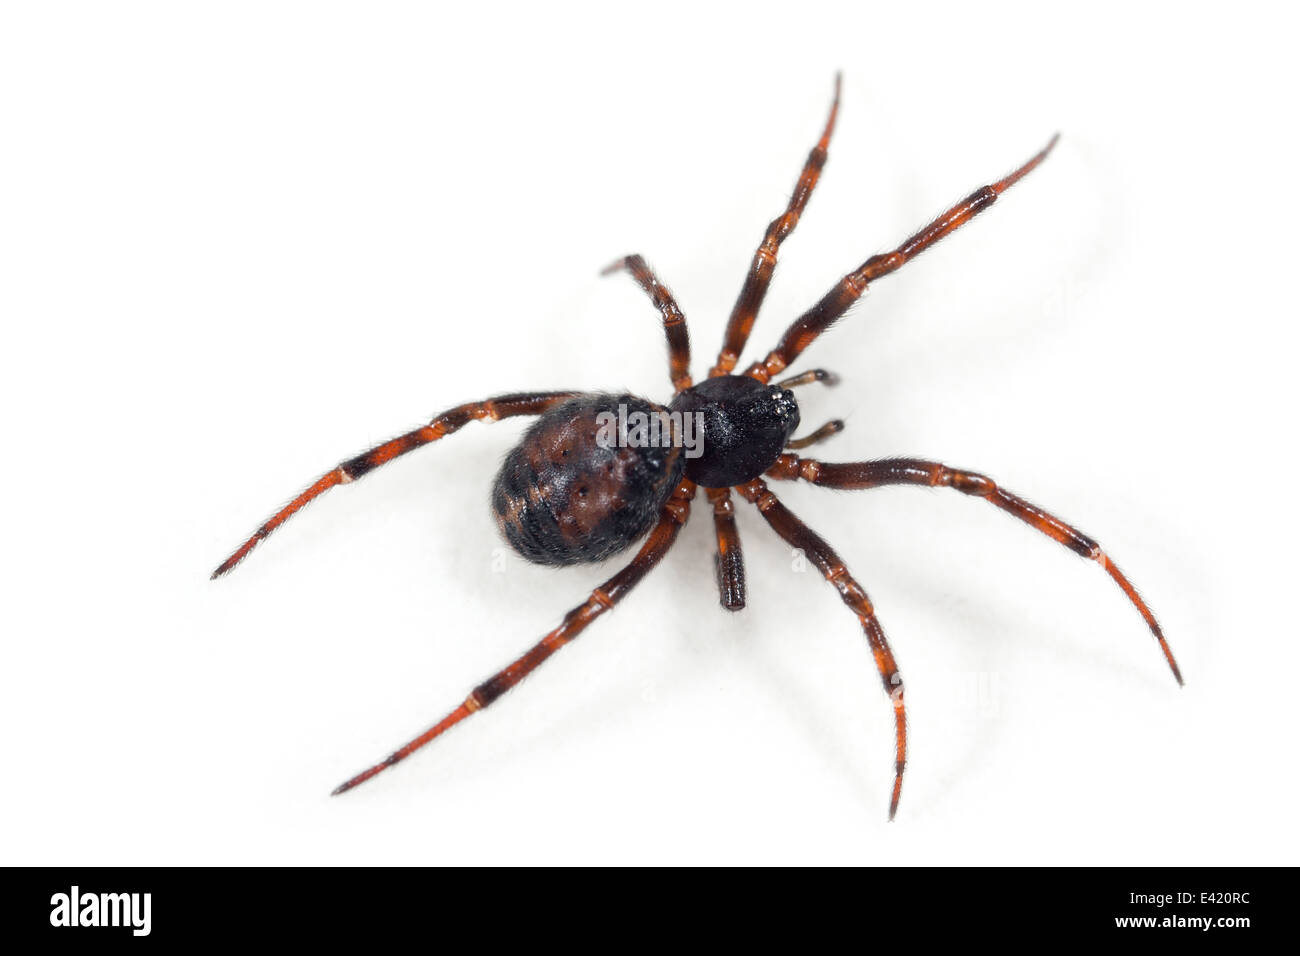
column 575, row 491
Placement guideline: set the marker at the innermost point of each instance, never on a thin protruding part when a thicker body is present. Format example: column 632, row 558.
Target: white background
column 240, row 242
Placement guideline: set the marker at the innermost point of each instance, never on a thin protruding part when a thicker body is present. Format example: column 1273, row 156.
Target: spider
column 578, row 490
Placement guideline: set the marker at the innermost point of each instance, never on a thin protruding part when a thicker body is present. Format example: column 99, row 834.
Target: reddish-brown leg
column 849, row 289
column 916, row 471
column 602, row 599
column 754, row 290
column 799, row 535
column 729, row 562
column 679, row 343
column 494, row 409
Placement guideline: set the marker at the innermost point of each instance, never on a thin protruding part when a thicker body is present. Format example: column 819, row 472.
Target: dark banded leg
column 602, row 599
column 754, row 290
column 849, row 289
column 832, row 427
column 916, row 471
column 494, row 409
column 729, row 562
column 679, row 343
column 799, row 535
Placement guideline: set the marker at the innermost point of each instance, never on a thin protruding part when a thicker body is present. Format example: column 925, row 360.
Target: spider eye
column 582, row 492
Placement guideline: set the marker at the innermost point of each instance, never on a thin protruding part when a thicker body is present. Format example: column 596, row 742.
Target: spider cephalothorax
column 746, row 426
column 596, row 473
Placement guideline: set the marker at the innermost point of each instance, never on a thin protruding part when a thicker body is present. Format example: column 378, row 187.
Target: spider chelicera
column 576, row 490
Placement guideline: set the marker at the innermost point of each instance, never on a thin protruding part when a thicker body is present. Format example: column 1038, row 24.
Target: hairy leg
column 493, row 409
column 917, row 471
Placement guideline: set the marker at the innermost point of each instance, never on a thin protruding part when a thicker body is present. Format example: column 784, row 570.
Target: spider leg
column 493, row 409
column 603, row 598
column 832, row 427
column 679, row 342
column 916, row 471
column 754, row 290
column 848, row 290
column 799, row 535
column 729, row 562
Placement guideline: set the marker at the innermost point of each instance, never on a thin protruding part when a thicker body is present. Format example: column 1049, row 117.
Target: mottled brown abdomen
column 563, row 497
